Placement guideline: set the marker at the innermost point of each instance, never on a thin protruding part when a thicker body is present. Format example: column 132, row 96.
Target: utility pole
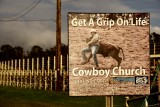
column 58, row 43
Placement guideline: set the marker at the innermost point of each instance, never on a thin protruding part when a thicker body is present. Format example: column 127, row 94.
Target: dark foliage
column 154, row 38
column 7, row 52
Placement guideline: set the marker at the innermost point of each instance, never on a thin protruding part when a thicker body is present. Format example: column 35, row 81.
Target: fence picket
column 5, row 66
column 30, row 78
column 22, row 73
column 12, row 73
column 51, row 77
column 31, row 73
column 7, row 74
column 45, row 80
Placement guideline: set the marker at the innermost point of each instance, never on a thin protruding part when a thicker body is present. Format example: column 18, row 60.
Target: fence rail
column 35, row 73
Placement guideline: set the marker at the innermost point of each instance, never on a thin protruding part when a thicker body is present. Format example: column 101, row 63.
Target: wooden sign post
column 109, row 101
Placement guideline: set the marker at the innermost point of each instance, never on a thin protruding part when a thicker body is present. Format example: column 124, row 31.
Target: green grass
column 19, row 97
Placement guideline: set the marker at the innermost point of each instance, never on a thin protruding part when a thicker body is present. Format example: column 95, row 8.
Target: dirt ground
column 134, row 40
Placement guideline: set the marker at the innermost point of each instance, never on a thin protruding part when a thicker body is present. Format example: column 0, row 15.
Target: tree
column 8, row 52
column 36, row 51
column 64, row 49
column 156, row 37
column 19, row 52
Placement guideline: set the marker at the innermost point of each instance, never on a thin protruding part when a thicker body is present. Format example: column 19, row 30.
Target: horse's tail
column 122, row 52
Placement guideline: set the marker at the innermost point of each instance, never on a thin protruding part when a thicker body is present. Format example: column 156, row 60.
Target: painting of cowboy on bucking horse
column 107, row 59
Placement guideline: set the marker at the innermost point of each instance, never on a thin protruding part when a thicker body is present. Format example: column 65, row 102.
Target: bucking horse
column 108, row 49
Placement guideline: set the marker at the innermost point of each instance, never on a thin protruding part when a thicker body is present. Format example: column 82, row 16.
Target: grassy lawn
column 19, row 97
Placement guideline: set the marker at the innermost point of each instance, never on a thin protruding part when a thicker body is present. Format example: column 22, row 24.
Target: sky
column 43, row 32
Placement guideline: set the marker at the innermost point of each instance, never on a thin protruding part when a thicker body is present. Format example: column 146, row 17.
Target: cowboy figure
column 93, row 47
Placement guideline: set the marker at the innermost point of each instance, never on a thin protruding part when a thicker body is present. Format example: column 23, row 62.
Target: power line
column 34, row 20
column 34, row 4
column 21, row 10
column 69, row 1
column 15, row 19
column 39, row 20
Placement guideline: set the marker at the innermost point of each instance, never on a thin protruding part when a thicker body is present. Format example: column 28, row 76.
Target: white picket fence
column 35, row 73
